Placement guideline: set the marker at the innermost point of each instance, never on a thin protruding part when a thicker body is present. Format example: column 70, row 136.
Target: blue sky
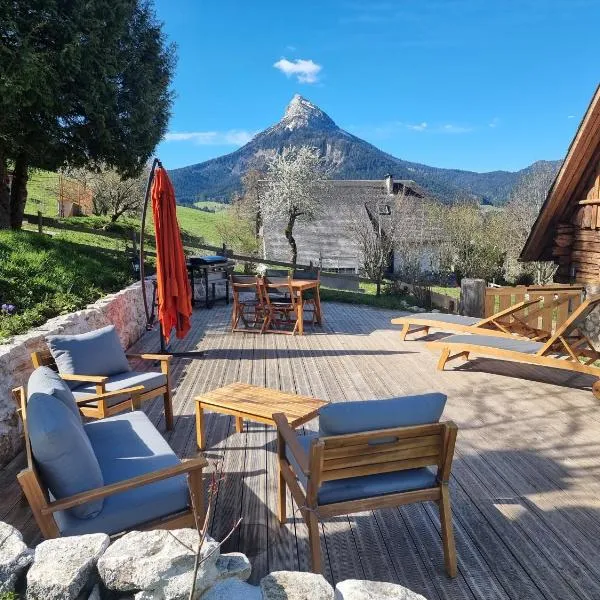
column 469, row 84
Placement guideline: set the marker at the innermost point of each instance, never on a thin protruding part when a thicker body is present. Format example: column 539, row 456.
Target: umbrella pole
column 164, row 348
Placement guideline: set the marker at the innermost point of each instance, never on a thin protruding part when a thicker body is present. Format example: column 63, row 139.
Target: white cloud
column 291, row 48
column 494, row 122
column 570, row 116
column 232, row 137
column 419, row 127
column 449, row 128
column 306, row 71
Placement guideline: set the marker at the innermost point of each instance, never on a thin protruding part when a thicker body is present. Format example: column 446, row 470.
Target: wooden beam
column 589, row 201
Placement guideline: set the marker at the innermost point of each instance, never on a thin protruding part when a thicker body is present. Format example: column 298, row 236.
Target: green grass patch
column 393, row 302
column 42, row 193
column 453, row 292
column 200, row 223
column 44, row 276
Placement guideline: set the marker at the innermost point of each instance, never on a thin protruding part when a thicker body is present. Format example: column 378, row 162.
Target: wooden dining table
column 299, row 286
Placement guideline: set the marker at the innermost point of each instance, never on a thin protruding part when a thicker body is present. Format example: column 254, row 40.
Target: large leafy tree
column 82, row 83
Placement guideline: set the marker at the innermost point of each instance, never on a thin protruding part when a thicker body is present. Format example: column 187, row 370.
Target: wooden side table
column 246, row 401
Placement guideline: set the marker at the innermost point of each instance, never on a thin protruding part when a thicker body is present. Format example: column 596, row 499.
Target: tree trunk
column 18, row 191
column 378, row 289
column 290, row 238
column 4, row 193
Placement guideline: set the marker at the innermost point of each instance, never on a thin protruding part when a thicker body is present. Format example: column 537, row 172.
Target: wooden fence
column 558, row 302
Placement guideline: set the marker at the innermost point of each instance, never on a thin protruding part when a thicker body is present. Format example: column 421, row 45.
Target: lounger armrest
column 131, row 391
column 187, row 466
column 84, row 378
column 290, row 437
column 146, row 356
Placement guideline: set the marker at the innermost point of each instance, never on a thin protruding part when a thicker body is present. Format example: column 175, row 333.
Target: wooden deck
column 526, row 484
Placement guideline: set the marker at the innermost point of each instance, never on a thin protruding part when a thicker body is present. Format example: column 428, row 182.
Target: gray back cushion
column 63, row 452
column 46, row 381
column 97, row 352
column 368, row 415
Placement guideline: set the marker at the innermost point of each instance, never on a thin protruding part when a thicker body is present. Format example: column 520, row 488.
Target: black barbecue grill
column 211, row 269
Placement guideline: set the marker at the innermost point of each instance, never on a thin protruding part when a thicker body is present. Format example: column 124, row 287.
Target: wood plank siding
column 567, row 230
column 525, row 482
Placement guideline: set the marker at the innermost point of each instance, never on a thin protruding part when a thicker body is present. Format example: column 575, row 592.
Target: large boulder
column 356, row 589
column 233, row 589
column 159, row 565
column 64, row 567
column 295, row 585
column 15, row 557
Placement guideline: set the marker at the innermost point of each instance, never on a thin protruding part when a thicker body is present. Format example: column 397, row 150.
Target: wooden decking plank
column 253, row 533
column 469, row 558
column 525, row 550
column 577, row 572
column 230, row 454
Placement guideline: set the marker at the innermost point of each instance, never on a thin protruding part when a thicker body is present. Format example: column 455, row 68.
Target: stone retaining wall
column 124, row 309
column 159, row 565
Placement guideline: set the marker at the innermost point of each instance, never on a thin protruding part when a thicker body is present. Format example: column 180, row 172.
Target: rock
column 159, row 565
column 234, row 564
column 436, row 310
column 15, row 557
column 355, row 589
column 62, row 567
column 294, row 585
column 233, row 589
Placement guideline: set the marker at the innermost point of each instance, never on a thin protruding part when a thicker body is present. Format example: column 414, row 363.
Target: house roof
column 584, row 149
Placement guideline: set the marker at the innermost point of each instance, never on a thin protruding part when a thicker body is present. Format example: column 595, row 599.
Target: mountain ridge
column 350, row 157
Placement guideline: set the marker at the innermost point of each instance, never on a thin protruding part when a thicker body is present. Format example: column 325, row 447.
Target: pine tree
column 83, row 83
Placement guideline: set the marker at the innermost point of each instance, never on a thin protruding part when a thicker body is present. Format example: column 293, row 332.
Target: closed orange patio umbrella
column 172, row 283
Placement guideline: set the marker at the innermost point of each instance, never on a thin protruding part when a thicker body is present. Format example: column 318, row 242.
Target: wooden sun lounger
column 503, row 323
column 567, row 349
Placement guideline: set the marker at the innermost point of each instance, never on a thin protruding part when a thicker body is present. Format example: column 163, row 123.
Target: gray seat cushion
column 63, row 452
column 507, row 343
column 46, row 381
column 126, row 446
column 368, row 486
column 97, row 352
column 150, row 380
column 367, row 415
column 445, row 318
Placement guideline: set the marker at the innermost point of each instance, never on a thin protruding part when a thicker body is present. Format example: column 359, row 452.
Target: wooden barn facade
column 567, row 230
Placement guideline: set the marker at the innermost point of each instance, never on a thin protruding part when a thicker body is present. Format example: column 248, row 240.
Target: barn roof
column 567, row 187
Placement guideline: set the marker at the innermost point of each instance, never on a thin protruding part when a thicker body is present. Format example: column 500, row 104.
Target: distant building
column 328, row 240
column 567, row 230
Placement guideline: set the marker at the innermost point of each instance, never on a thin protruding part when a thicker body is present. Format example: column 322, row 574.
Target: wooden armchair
column 100, row 402
column 317, row 471
column 46, row 511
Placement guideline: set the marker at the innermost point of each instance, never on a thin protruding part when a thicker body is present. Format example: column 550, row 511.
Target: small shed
column 567, row 229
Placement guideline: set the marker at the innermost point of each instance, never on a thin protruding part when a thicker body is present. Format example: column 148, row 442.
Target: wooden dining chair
column 247, row 303
column 279, row 311
column 309, row 297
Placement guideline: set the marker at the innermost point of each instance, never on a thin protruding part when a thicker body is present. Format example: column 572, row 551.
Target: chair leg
column 447, row 533
column 282, row 493
column 168, row 409
column 196, row 487
column 443, row 359
column 404, row 331
column 316, row 565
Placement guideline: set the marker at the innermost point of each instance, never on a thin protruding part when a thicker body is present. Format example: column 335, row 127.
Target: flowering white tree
column 295, row 180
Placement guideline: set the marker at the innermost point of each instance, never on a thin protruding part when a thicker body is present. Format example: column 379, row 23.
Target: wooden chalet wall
column 576, row 247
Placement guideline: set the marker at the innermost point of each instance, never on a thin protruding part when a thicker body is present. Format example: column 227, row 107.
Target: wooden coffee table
column 246, row 401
